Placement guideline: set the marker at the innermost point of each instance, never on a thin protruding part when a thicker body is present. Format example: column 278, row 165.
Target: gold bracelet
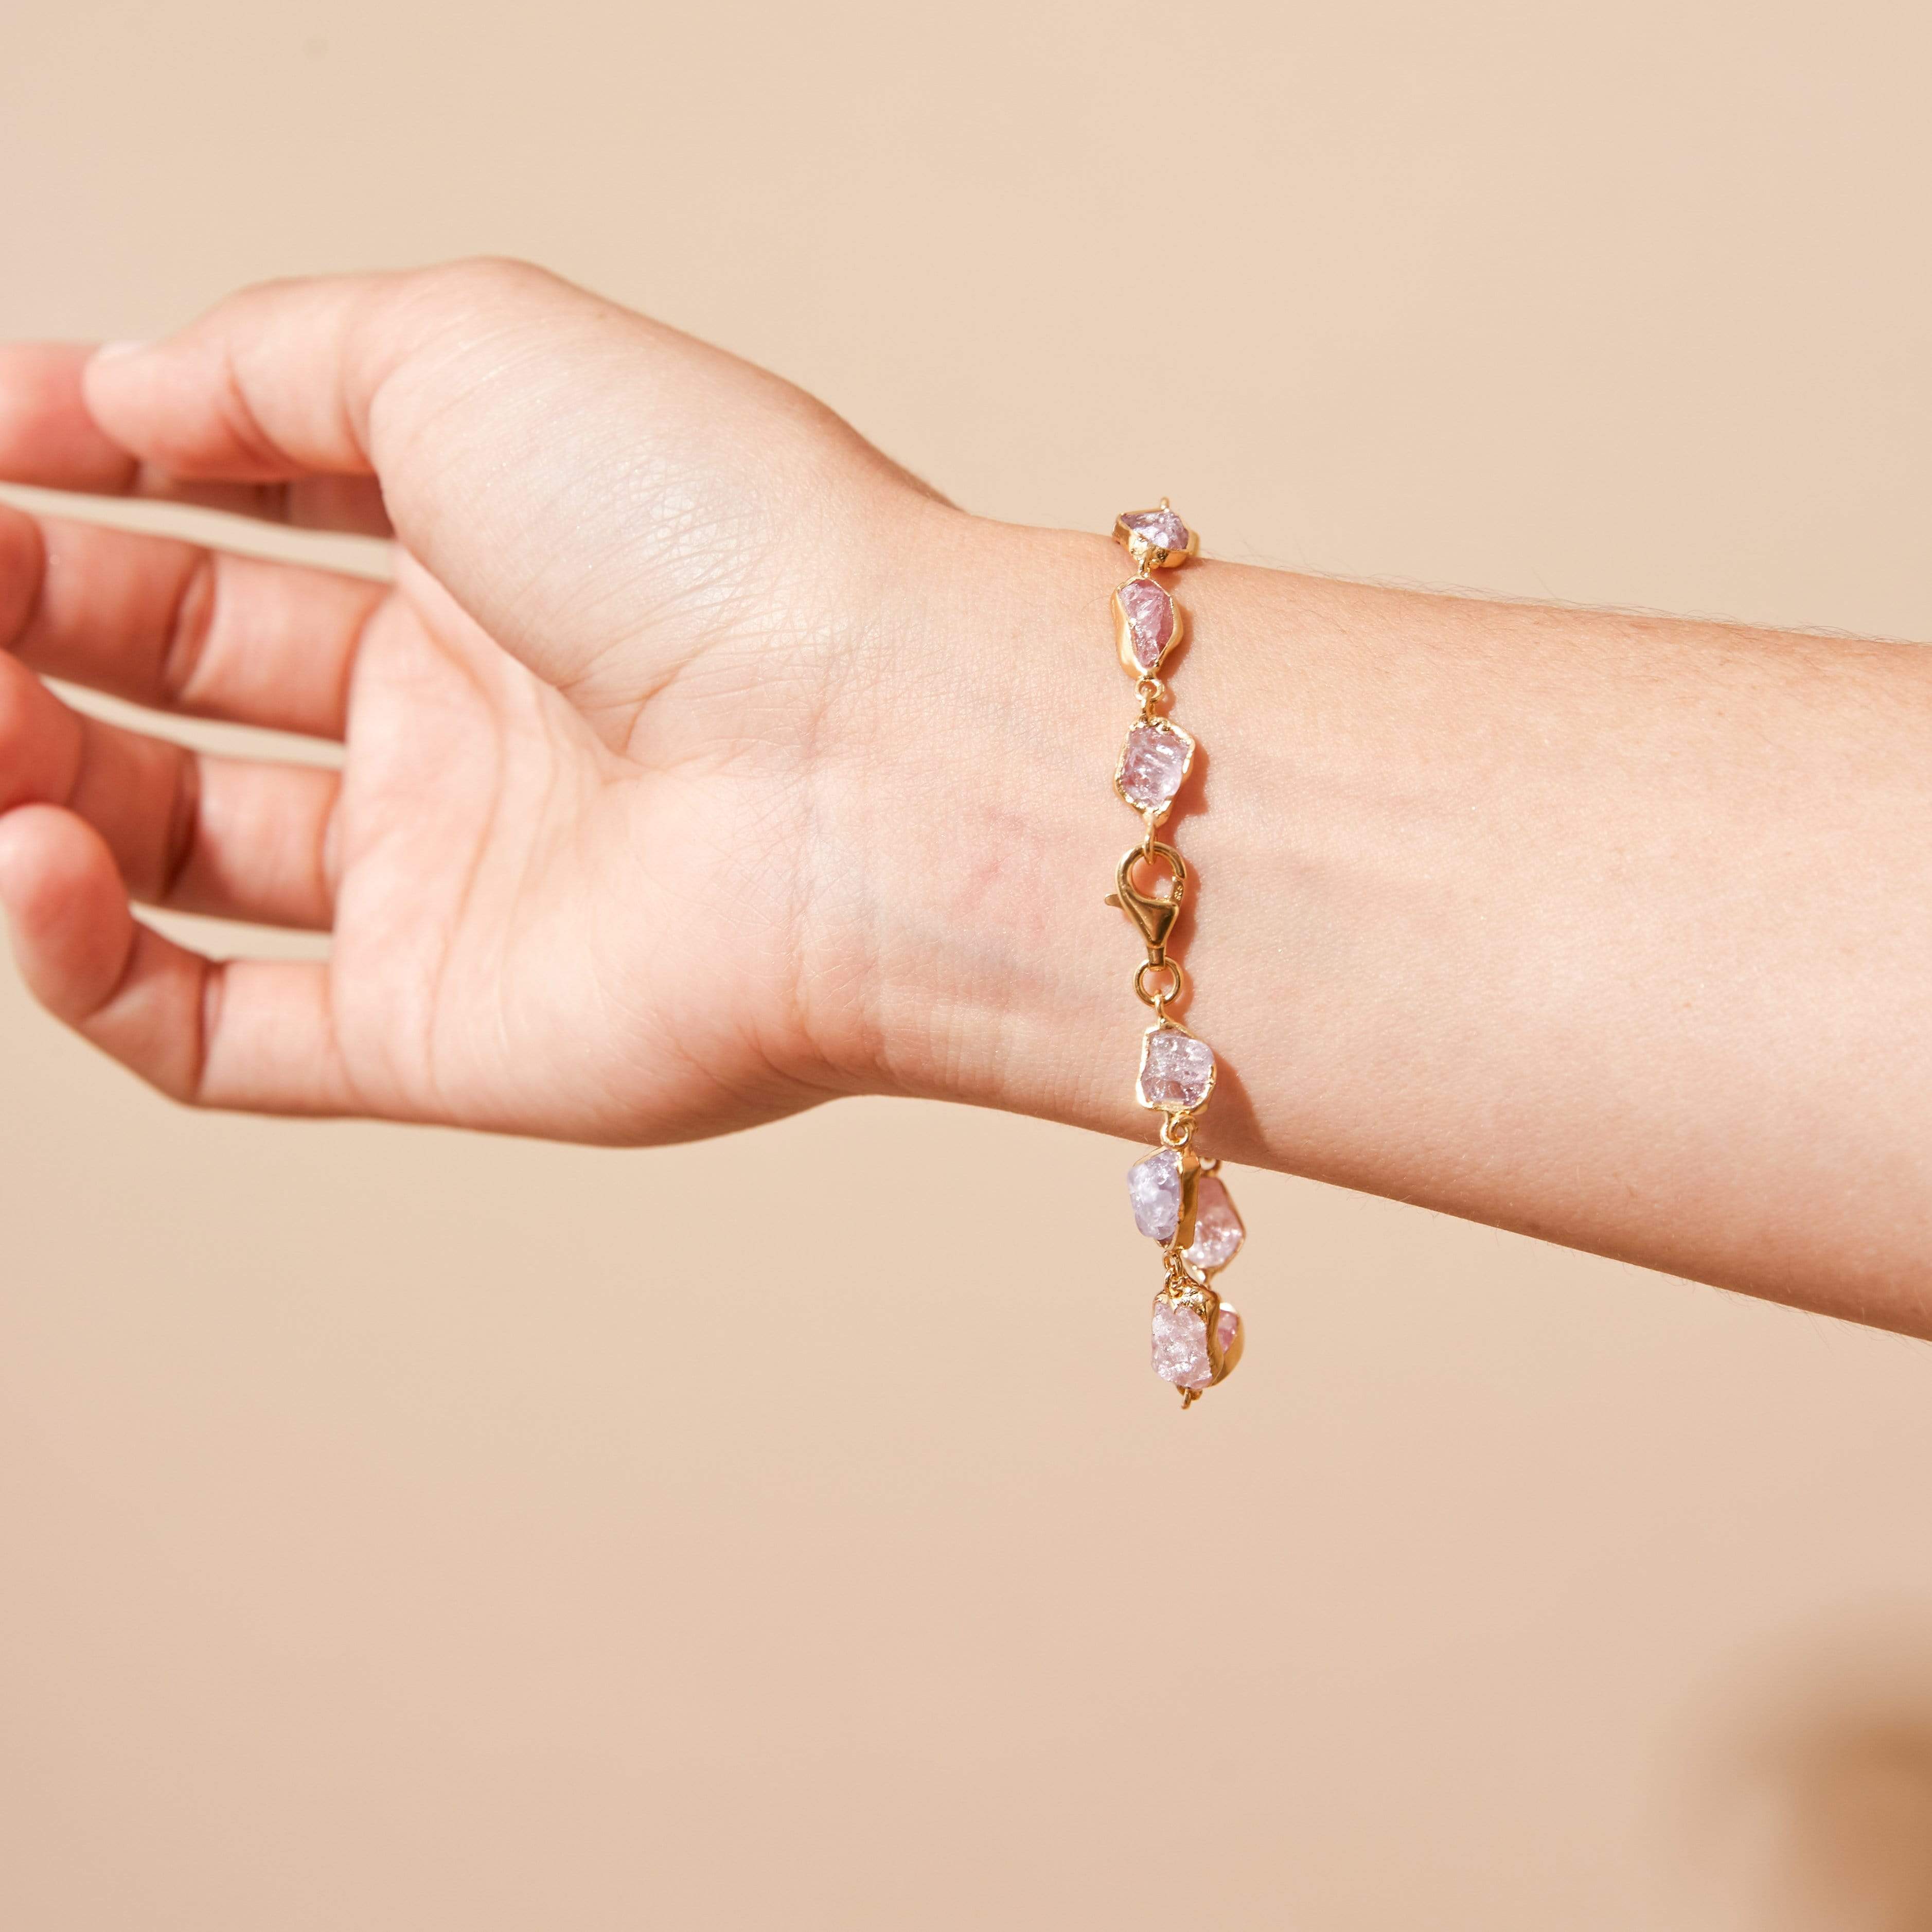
column 1178, row 1198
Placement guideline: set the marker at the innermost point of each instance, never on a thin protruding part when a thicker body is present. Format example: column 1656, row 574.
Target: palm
column 560, row 866
column 502, row 874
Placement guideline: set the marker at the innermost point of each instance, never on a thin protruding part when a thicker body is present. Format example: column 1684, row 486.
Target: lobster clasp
column 1153, row 913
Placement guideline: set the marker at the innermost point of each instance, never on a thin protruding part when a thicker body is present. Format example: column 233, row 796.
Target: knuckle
column 22, row 571
column 492, row 279
column 190, row 623
column 17, row 693
column 35, row 760
column 180, row 833
column 428, row 327
column 424, row 322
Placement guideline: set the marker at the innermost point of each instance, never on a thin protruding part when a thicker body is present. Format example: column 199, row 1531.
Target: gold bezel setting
column 1123, row 632
column 1209, row 1170
column 1200, row 1300
column 1190, row 1211
column 1163, row 727
column 1146, row 554
column 1174, row 1110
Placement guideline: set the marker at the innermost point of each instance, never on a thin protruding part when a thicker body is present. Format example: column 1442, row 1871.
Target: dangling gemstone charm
column 1218, row 1232
column 1154, row 1189
column 1186, row 1351
column 1183, row 1203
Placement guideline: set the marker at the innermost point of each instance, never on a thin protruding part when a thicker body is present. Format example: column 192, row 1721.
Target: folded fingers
column 252, row 1033
column 180, row 627
column 235, row 838
column 51, row 437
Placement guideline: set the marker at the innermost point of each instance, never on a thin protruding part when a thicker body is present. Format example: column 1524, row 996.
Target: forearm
column 698, row 766
column 1611, row 929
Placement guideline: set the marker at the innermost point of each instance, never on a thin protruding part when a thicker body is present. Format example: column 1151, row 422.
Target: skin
column 700, row 765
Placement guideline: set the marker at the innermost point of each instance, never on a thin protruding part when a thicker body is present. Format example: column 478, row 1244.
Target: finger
column 48, row 437
column 256, row 1033
column 228, row 837
column 180, row 627
column 453, row 384
column 276, row 383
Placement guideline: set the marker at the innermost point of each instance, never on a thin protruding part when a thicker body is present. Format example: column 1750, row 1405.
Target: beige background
column 375, row 1552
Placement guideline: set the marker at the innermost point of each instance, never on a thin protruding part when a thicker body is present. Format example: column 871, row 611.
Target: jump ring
column 1176, row 981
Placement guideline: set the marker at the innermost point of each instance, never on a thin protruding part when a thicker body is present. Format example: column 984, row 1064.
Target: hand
column 700, row 764
column 581, row 818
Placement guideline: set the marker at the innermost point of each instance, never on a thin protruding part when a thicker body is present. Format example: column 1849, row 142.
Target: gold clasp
column 1153, row 913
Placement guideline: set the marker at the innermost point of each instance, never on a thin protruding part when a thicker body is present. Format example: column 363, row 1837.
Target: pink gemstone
column 1149, row 611
column 1153, row 765
column 1181, row 1343
column 1177, row 1070
column 1218, row 1232
column 1161, row 528
column 1153, row 1191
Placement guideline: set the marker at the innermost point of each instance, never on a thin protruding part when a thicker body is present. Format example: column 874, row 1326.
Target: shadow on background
column 1809, row 1804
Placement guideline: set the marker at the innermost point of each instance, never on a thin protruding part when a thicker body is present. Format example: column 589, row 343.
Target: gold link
column 1177, row 982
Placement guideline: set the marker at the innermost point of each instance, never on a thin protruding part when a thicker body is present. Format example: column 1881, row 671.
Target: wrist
column 980, row 829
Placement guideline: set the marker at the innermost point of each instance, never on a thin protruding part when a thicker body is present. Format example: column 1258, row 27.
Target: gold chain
column 1197, row 1337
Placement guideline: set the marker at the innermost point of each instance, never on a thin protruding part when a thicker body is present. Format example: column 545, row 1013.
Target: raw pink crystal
column 1161, row 528
column 1218, row 1232
column 1149, row 612
column 1153, row 1188
column 1177, row 1070
column 1181, row 1343
column 1153, row 765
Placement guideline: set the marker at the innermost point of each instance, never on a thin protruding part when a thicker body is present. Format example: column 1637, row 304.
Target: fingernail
column 108, row 350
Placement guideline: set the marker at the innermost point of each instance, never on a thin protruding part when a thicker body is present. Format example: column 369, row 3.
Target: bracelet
column 1178, row 1199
